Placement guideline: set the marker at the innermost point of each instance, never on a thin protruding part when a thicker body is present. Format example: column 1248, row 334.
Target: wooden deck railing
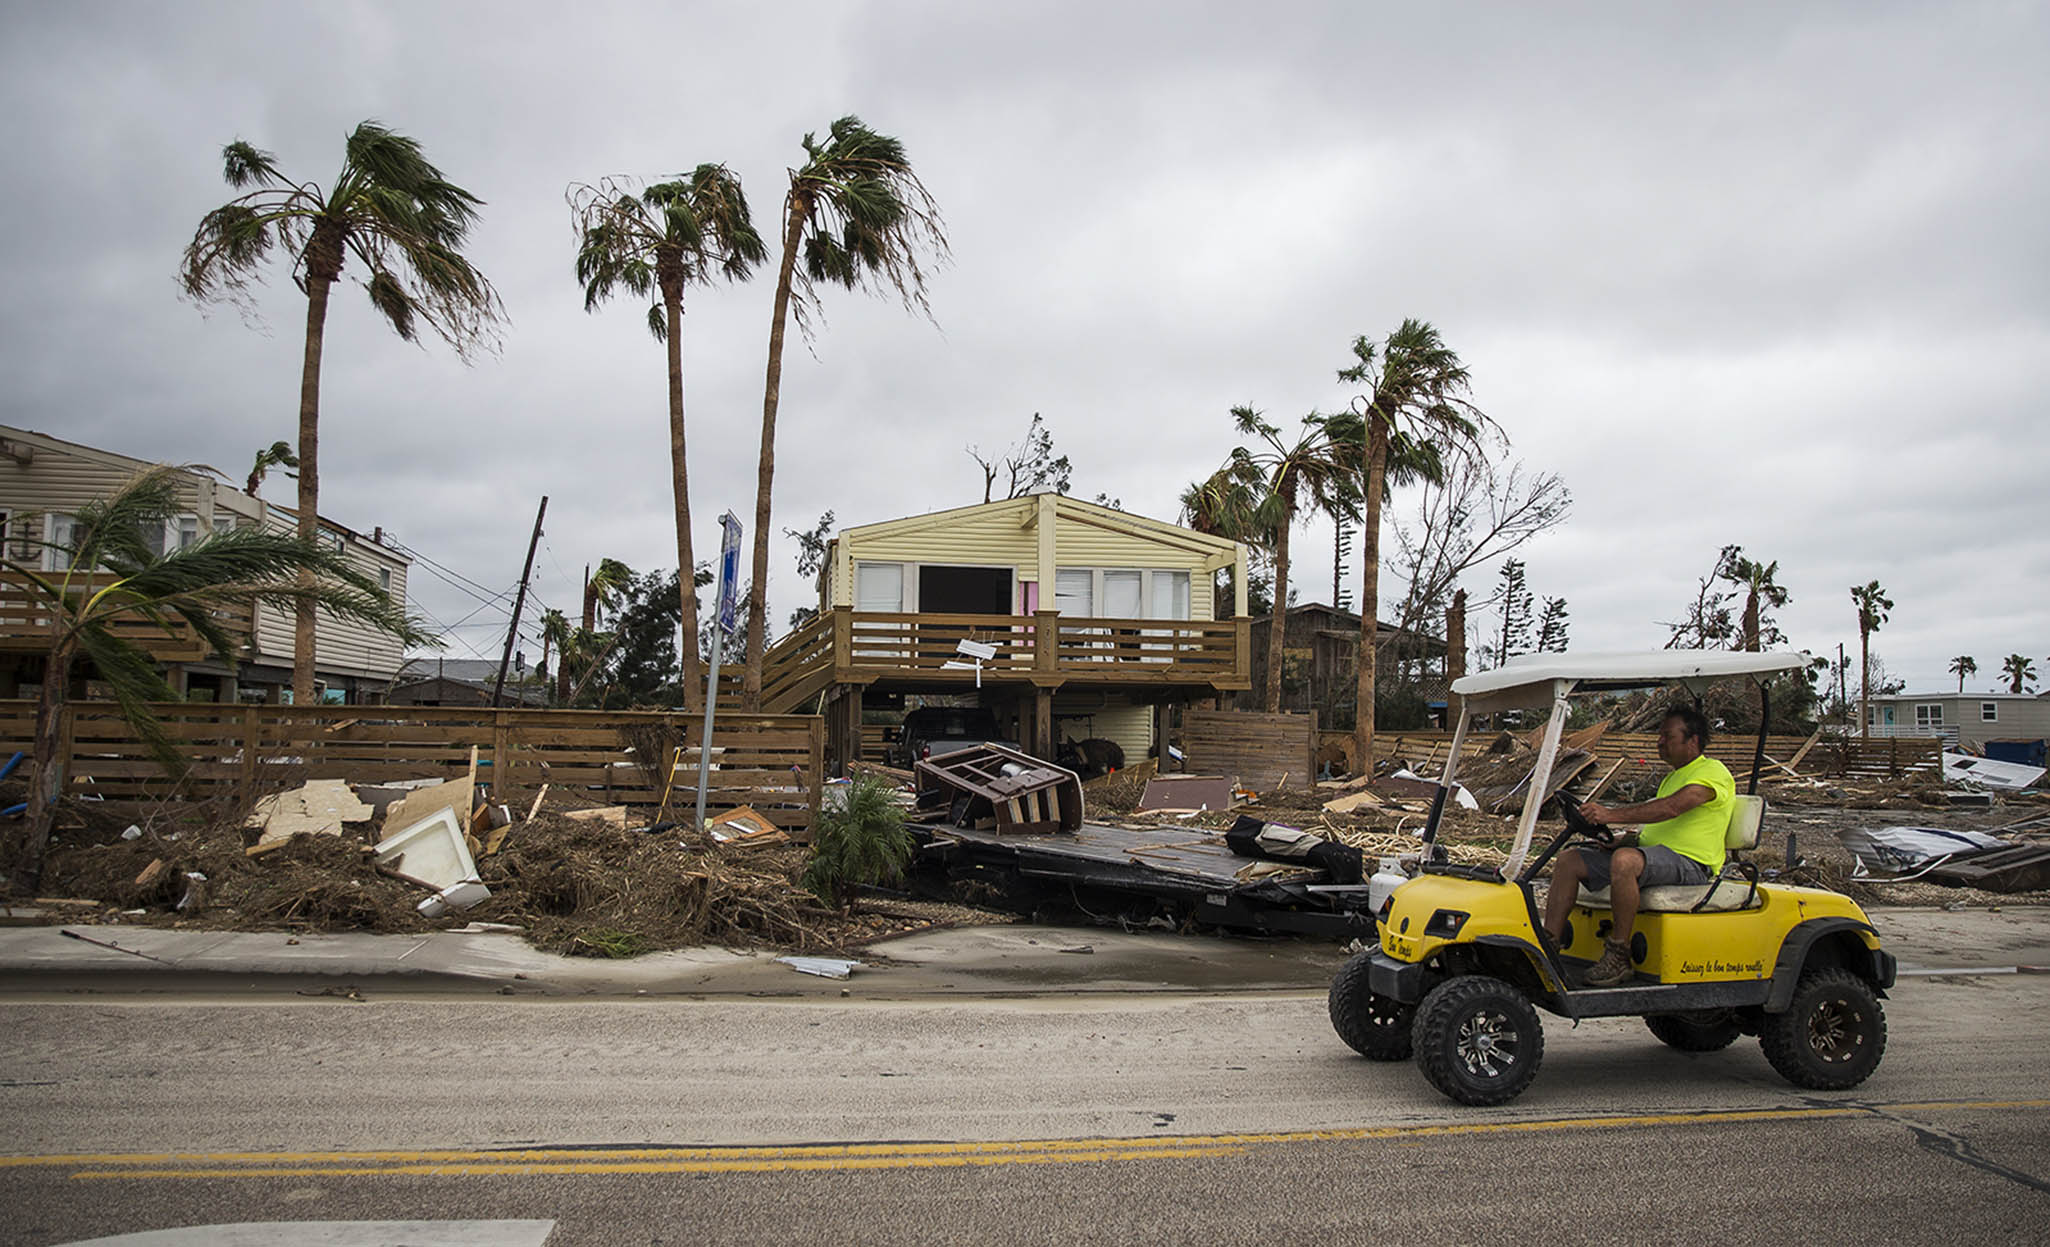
column 846, row 645
column 28, row 623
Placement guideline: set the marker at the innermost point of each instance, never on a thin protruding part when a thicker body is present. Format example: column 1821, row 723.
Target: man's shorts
column 1663, row 867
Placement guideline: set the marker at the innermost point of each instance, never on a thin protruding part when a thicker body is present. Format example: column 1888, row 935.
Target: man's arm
column 1670, row 806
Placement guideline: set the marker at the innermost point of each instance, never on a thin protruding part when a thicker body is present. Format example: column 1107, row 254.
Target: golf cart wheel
column 1478, row 1040
column 1376, row 1027
column 1832, row 1035
column 1710, row 1030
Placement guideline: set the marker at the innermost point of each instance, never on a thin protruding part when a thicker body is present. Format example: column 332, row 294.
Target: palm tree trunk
column 1277, row 629
column 1864, row 680
column 772, row 392
column 686, row 565
column 26, row 867
column 309, row 472
column 1370, row 596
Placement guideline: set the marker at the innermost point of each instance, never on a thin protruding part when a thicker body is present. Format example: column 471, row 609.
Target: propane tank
column 1388, row 878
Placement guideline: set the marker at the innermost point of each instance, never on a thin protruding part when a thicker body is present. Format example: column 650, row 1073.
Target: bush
column 862, row 842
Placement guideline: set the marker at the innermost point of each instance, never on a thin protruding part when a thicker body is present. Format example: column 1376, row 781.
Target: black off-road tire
column 1695, row 1032
column 1478, row 1040
column 1376, row 1027
column 1831, row 1036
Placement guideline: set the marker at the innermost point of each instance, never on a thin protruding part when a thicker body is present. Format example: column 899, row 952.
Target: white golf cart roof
column 1532, row 679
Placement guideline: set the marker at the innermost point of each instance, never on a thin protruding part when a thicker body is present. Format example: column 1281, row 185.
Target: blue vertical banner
column 729, row 572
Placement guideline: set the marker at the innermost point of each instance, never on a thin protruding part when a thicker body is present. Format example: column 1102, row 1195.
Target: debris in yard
column 613, row 814
column 1079, row 948
column 318, row 807
column 458, row 796
column 432, row 852
column 132, row 833
column 1353, row 801
column 824, row 967
column 1176, row 793
column 1250, row 837
column 1963, row 768
column 2019, row 868
column 743, row 825
column 1904, row 852
column 995, row 787
column 458, row 896
column 149, row 873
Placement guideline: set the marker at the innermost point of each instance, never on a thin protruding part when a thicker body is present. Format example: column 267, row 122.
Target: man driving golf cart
column 1463, row 962
column 1679, row 845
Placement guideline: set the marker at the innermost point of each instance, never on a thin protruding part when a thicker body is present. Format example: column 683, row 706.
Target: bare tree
column 1480, row 513
column 1028, row 467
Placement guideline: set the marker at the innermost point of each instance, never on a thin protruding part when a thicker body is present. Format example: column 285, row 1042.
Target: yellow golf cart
column 1464, row 961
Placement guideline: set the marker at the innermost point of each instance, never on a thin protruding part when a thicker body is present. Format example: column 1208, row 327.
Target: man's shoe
column 1614, row 969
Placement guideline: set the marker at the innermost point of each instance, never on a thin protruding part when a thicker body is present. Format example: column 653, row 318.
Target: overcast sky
column 1773, row 274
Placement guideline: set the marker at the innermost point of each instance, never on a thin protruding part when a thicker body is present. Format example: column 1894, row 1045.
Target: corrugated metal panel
column 1113, row 718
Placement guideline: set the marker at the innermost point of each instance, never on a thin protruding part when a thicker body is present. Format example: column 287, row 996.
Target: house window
column 384, row 579
column 1989, row 712
column 1121, row 593
column 1929, row 716
column 1074, row 591
column 1170, row 596
column 188, row 530
column 879, row 587
column 59, row 531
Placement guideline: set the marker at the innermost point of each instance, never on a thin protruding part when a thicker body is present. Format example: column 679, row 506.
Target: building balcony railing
column 27, row 622
column 1046, row 649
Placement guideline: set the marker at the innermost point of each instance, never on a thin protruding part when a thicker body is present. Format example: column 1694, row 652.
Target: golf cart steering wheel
column 1578, row 823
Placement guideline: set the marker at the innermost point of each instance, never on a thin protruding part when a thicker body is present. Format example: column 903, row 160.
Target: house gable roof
column 1066, row 510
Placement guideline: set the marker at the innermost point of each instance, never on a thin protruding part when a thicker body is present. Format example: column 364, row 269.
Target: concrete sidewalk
column 970, row 961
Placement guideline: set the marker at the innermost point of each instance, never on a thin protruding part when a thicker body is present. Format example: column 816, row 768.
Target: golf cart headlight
column 1445, row 923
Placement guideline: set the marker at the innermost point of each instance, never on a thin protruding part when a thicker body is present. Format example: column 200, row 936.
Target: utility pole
column 519, row 602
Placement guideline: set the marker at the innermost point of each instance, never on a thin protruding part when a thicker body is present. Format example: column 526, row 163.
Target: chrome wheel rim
column 1486, row 1044
column 1836, row 1031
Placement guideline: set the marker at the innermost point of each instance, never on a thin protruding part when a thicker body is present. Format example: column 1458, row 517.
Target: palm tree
column 557, row 636
column 400, row 218
column 1414, row 408
column 1761, row 591
column 1222, row 505
column 672, row 235
column 235, row 568
column 1872, row 604
column 1282, row 477
column 862, row 217
column 604, row 588
column 1962, row 666
column 276, row 455
column 2018, row 670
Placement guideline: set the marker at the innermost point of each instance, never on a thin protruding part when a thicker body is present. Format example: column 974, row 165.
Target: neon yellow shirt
column 1696, row 833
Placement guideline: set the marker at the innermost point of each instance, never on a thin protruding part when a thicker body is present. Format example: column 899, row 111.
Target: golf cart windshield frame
column 1538, row 680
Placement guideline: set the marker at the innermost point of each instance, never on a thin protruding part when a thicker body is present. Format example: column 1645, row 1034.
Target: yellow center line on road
column 871, row 1156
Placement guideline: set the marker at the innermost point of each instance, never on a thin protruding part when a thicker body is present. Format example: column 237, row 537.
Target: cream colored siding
column 61, row 476
column 341, row 646
column 1111, row 716
column 1009, row 534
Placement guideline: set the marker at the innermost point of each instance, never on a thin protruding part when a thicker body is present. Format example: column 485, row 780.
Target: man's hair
column 1693, row 720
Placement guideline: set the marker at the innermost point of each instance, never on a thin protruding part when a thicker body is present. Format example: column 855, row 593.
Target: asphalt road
column 1055, row 1120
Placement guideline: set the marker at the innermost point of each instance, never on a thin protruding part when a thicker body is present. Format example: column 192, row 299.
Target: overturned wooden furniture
column 991, row 787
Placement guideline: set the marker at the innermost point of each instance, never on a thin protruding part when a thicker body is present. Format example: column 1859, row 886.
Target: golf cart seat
column 1735, row 888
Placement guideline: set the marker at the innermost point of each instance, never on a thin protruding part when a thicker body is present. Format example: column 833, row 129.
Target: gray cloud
column 1767, row 274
